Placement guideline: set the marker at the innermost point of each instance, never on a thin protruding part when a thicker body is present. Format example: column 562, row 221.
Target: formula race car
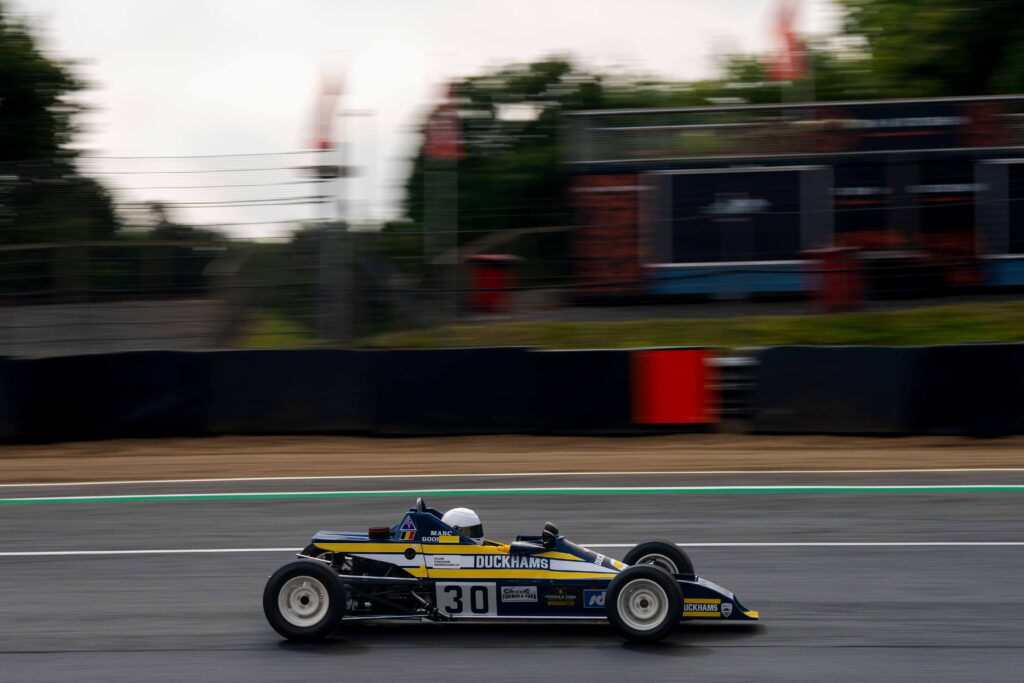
column 423, row 568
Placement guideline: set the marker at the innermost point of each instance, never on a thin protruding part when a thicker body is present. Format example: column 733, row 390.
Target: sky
column 172, row 78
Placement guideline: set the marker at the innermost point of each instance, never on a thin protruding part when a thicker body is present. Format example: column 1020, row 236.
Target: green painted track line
column 556, row 491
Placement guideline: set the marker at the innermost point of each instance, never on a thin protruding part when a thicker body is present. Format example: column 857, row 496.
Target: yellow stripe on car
column 691, row 602
column 494, row 550
column 513, row 574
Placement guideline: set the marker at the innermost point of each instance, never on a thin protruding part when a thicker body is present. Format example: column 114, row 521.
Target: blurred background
column 196, row 176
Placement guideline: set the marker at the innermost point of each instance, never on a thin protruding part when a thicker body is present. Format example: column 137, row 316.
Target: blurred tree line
column 510, row 177
column 50, row 211
column 43, row 198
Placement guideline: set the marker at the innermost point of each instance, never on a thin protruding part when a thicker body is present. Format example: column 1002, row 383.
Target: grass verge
column 266, row 329
column 960, row 323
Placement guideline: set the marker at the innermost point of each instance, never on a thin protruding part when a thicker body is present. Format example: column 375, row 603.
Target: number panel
column 466, row 598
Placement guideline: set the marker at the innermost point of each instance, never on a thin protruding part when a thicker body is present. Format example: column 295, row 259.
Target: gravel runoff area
column 283, row 456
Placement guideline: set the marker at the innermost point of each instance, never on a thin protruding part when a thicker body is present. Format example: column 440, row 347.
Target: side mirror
column 549, row 534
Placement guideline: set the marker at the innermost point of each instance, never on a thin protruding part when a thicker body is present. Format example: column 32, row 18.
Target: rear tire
column 644, row 603
column 662, row 554
column 304, row 601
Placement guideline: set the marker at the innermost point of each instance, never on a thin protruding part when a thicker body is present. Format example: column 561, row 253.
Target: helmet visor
column 475, row 531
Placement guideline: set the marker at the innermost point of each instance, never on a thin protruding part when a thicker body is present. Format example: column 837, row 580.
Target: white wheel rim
column 659, row 560
column 303, row 601
column 642, row 604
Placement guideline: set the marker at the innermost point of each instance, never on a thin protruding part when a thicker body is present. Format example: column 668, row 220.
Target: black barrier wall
column 837, row 390
column 971, row 389
column 103, row 396
column 10, row 423
column 291, row 392
column 454, row 391
column 583, row 392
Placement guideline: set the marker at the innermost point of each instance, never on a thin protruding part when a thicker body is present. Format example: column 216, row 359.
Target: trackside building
column 725, row 201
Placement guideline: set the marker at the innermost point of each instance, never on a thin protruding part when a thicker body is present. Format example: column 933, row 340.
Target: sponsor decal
column 599, row 560
column 519, row 594
column 407, row 532
column 726, row 609
column 593, row 599
column 510, row 562
column 562, row 597
column 701, row 607
column 446, row 562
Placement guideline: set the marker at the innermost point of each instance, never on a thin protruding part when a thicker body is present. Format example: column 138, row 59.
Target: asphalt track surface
column 891, row 584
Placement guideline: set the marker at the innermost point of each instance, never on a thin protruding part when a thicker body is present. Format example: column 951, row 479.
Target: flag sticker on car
column 407, row 532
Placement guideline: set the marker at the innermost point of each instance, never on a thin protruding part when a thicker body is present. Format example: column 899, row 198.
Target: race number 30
column 467, row 599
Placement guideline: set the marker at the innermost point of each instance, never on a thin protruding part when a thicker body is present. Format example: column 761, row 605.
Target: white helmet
column 466, row 521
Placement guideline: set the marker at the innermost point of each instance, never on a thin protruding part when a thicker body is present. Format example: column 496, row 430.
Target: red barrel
column 492, row 278
column 837, row 276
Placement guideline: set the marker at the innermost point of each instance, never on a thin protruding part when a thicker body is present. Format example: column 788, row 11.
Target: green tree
column 35, row 116
column 926, row 48
column 42, row 197
column 510, row 176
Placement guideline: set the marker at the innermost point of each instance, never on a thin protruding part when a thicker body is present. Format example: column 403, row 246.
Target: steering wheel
column 421, row 506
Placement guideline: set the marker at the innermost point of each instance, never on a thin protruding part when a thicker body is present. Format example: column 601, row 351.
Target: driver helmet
column 465, row 521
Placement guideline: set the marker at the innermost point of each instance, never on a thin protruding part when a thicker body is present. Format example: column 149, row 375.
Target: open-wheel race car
column 426, row 569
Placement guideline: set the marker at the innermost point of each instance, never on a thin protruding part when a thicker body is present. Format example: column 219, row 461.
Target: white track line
column 810, row 544
column 593, row 490
column 829, row 544
column 953, row 470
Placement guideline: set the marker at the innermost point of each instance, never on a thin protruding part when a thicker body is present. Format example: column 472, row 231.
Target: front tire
column 644, row 603
column 662, row 554
column 304, row 601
